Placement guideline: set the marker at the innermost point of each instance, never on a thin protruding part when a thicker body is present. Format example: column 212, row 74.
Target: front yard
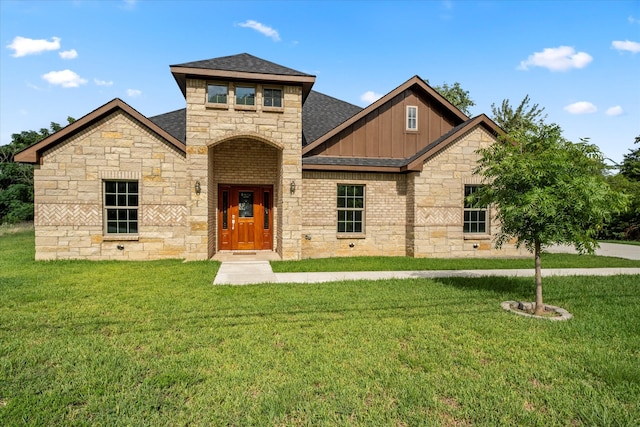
column 154, row 343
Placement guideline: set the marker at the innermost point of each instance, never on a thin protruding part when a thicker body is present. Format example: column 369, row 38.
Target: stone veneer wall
column 385, row 215
column 439, row 201
column 209, row 125
column 69, row 194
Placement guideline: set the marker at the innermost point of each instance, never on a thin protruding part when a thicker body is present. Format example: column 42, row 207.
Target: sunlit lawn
column 154, row 343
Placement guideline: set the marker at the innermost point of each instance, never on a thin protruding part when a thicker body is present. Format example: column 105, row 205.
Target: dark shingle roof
column 244, row 63
column 321, row 113
column 174, row 122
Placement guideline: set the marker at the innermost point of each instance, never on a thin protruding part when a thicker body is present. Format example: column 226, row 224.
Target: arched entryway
column 243, row 208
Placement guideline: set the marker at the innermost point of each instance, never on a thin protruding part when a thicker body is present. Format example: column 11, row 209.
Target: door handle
column 233, row 222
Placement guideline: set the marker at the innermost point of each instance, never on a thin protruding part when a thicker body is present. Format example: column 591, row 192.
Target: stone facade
column 414, row 194
column 68, row 190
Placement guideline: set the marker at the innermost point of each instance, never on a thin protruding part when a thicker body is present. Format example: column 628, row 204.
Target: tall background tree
column 457, row 96
column 546, row 190
column 626, row 225
column 16, row 179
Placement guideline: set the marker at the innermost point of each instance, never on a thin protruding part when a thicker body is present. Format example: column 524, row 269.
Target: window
column 350, row 208
column 121, row 207
column 475, row 218
column 272, row 97
column 245, row 95
column 412, row 118
column 217, row 93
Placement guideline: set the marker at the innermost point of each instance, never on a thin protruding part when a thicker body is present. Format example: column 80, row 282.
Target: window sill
column 478, row 236
column 120, row 237
column 273, row 109
column 239, row 107
column 351, row 236
column 216, row 106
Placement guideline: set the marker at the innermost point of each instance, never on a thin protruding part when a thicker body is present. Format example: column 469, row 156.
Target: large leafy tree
column 16, row 179
column 547, row 191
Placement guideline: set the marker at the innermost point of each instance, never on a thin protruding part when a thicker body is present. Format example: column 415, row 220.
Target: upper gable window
column 272, row 97
column 412, row 118
column 217, row 93
column 245, row 95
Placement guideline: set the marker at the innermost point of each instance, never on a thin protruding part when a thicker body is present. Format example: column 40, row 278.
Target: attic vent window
column 412, row 118
column 217, row 93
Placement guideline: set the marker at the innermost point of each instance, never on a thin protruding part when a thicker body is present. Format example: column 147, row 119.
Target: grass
column 154, row 343
column 406, row 263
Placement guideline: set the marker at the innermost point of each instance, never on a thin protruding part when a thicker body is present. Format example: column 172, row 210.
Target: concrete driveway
column 606, row 249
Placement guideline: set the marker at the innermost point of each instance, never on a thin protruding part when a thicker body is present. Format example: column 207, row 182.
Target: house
column 258, row 161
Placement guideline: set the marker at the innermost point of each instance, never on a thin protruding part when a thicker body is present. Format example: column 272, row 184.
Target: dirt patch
column 551, row 312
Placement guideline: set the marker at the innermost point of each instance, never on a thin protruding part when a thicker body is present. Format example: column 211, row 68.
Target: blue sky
column 578, row 59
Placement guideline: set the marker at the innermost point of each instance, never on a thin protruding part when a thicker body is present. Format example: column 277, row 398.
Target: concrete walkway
column 254, row 267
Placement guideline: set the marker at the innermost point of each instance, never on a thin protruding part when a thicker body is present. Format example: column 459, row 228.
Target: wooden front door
column 245, row 218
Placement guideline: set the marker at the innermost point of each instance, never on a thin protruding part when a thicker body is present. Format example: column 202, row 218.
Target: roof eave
column 351, row 168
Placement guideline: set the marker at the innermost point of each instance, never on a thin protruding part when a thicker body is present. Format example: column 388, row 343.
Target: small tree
column 547, row 191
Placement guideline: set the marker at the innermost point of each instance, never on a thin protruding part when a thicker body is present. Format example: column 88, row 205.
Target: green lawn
column 405, row 263
column 154, row 343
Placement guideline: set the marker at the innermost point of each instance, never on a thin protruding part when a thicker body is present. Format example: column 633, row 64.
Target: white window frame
column 471, row 215
column 122, row 199
column 412, row 119
column 345, row 210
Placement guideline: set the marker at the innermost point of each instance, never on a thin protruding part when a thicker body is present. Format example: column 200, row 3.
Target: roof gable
column 243, row 63
column 415, row 84
column 33, row 153
column 410, row 164
column 321, row 113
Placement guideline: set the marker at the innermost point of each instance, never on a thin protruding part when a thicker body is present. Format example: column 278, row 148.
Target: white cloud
column 560, row 58
column 582, row 107
column 23, row 46
column 370, row 96
column 614, row 111
column 633, row 20
column 64, row 78
column 99, row 82
column 133, row 93
column 68, row 54
column 261, row 28
column 629, row 46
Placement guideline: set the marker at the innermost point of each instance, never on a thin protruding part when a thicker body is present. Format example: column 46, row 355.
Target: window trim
column 362, row 210
column 409, row 119
column 466, row 208
column 106, row 208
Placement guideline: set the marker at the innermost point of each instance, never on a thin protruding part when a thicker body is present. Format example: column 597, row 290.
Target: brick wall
column 385, row 215
column 68, row 189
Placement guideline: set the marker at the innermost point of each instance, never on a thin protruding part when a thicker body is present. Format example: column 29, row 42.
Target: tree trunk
column 539, row 304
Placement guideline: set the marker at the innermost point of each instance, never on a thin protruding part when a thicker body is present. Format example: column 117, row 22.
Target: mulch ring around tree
column 551, row 312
